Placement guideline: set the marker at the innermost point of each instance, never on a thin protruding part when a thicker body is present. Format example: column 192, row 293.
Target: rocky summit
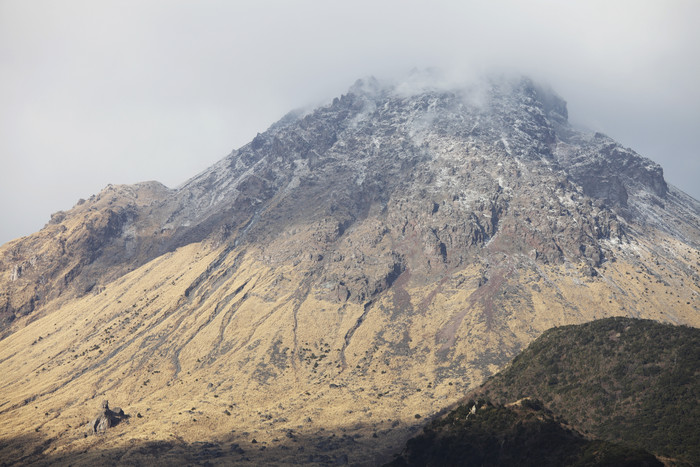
column 317, row 294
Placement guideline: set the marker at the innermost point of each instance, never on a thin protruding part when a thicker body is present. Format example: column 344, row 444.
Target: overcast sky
column 98, row 92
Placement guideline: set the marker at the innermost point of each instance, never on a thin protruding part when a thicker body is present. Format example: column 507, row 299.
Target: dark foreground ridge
column 523, row 434
column 629, row 384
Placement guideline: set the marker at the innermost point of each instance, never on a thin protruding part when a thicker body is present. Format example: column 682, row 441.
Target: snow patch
column 507, row 146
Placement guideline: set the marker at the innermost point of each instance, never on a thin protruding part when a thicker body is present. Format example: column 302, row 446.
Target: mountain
column 617, row 380
column 351, row 268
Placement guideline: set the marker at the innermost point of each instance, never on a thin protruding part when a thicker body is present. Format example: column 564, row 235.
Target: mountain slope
column 348, row 269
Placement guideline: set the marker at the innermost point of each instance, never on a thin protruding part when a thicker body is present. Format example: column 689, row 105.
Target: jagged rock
column 106, row 419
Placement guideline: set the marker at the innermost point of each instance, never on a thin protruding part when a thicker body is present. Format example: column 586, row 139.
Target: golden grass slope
column 248, row 362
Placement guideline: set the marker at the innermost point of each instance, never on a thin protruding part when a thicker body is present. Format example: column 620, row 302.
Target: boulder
column 107, row 418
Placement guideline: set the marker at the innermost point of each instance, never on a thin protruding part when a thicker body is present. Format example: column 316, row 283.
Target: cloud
column 124, row 91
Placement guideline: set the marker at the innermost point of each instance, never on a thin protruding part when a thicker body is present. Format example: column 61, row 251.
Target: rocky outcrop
column 96, row 241
column 608, row 171
column 106, row 419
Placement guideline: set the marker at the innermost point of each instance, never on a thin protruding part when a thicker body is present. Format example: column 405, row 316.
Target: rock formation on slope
column 348, row 269
column 106, row 419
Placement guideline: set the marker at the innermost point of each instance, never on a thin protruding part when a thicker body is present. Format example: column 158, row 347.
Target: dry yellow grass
column 250, row 355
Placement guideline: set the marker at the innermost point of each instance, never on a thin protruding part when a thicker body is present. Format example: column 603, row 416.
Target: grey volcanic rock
column 607, row 170
column 106, row 419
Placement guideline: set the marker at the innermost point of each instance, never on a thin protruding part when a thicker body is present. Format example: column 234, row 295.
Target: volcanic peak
column 346, row 270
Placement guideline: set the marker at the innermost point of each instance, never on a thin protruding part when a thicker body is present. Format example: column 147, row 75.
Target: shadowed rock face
column 345, row 258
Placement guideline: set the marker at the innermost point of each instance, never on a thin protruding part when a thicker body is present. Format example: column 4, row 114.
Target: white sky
column 97, row 92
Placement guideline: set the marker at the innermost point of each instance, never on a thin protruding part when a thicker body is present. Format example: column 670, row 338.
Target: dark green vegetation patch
column 624, row 380
column 523, row 434
column 609, row 392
